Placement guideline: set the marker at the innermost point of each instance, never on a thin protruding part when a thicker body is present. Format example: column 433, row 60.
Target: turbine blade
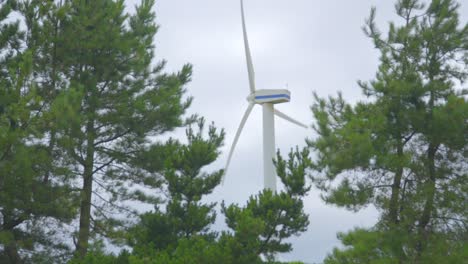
column 288, row 118
column 250, row 69
column 236, row 138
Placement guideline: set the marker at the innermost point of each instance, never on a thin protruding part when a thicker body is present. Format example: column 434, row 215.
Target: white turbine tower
column 266, row 98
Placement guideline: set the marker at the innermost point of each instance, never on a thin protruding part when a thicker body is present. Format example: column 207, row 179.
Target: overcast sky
column 303, row 45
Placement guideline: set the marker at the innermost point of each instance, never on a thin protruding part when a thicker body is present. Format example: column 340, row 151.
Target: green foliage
column 365, row 246
column 379, row 246
column 258, row 229
column 185, row 215
column 115, row 98
column 189, row 250
column 95, row 259
column 404, row 149
column 32, row 201
column 80, row 98
column 99, row 257
column 261, row 226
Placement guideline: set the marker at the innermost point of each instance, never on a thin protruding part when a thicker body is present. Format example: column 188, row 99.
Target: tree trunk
column 86, row 194
column 428, row 205
column 396, row 186
column 12, row 254
column 10, row 247
column 394, row 206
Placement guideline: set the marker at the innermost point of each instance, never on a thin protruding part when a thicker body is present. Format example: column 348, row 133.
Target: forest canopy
column 88, row 114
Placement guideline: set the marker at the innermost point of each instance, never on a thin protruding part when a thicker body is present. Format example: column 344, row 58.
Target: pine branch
column 103, row 165
column 122, row 208
column 112, row 138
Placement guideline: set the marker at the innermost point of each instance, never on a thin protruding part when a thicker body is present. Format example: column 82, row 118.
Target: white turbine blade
column 250, row 69
column 239, row 130
column 288, row 118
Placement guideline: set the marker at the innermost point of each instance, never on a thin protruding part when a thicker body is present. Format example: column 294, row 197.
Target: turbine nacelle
column 271, row 96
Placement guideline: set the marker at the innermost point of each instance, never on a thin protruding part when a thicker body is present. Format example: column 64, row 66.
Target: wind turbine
column 267, row 98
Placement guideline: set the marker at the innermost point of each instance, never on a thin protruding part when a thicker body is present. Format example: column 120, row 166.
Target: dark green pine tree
column 403, row 150
column 260, row 228
column 43, row 21
column 32, row 202
column 116, row 99
column 180, row 235
column 185, row 214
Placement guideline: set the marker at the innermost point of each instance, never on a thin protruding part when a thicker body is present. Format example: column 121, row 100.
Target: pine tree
column 260, row 228
column 185, row 214
column 31, row 201
column 403, row 150
column 116, row 99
